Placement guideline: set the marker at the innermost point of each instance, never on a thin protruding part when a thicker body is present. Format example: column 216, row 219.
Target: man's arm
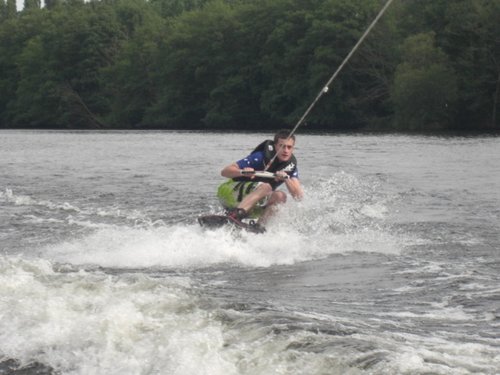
column 233, row 170
column 295, row 188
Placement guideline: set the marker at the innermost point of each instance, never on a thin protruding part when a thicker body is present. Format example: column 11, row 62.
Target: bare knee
column 265, row 189
column 277, row 197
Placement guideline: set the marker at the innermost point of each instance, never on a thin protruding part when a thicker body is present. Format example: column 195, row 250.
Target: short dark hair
column 283, row 134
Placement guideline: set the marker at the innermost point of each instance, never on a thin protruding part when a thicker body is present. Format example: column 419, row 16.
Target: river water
column 389, row 265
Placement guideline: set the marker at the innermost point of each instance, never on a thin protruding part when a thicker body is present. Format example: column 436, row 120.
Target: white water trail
column 95, row 323
column 338, row 216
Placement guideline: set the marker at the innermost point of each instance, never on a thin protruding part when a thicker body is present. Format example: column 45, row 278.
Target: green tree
column 129, row 82
column 425, row 87
column 189, row 64
column 51, row 4
column 36, row 101
column 307, row 46
column 11, row 8
column 58, row 83
column 3, row 10
column 15, row 33
column 422, row 16
column 31, row 4
column 247, row 64
column 237, row 97
column 172, row 8
column 361, row 92
column 467, row 32
column 473, row 42
column 261, row 63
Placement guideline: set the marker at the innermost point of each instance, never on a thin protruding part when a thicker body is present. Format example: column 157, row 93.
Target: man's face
column 284, row 148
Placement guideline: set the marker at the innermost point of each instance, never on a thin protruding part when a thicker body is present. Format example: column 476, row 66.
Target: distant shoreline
column 303, row 130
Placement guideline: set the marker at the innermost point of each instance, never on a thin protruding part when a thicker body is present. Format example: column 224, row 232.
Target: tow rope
column 325, row 88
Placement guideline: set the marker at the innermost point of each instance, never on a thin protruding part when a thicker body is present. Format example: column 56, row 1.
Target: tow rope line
column 325, row 88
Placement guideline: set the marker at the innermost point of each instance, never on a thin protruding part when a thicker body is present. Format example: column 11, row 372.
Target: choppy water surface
column 390, row 265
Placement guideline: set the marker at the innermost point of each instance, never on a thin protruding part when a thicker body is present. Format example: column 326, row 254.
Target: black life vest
column 267, row 147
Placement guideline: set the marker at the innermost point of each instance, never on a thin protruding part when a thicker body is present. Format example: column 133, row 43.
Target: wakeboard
column 219, row 221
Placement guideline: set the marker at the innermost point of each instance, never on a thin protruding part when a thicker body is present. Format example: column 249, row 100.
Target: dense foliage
column 428, row 64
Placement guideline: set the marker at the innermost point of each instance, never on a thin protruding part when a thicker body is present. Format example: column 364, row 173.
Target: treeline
column 249, row 64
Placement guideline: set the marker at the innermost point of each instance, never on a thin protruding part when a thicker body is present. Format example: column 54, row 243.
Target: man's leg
column 277, row 197
column 262, row 191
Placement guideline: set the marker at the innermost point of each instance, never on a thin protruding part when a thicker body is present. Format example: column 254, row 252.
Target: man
column 248, row 195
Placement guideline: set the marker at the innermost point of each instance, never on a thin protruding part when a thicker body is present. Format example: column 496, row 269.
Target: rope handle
column 262, row 174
